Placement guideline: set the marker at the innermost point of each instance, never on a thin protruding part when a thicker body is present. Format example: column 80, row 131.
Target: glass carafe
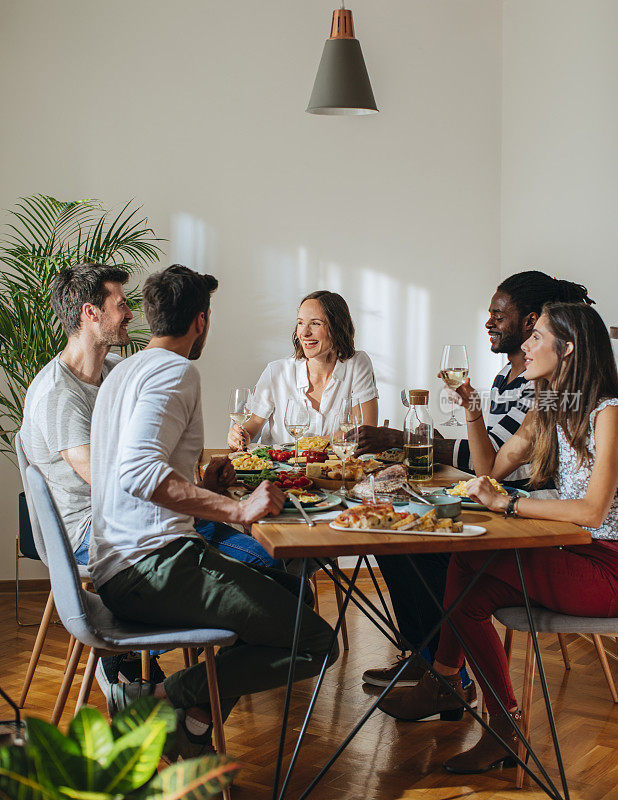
column 418, row 437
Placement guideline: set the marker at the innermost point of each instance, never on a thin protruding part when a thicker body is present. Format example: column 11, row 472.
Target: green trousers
column 188, row 583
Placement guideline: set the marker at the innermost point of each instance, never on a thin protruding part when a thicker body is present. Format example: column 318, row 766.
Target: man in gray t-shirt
column 91, row 304
column 57, row 416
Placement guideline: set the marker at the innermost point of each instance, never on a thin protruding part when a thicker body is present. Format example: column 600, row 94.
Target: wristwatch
column 510, row 511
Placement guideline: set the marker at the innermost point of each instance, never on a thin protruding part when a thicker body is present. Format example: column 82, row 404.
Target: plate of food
column 460, row 490
column 329, row 474
column 394, row 455
column 388, row 485
column 247, row 463
column 306, row 497
column 382, row 518
column 284, row 480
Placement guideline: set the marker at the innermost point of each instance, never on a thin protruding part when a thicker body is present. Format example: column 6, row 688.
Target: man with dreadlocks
column 513, row 312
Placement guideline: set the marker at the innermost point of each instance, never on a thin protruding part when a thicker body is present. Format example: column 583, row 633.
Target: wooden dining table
column 286, row 540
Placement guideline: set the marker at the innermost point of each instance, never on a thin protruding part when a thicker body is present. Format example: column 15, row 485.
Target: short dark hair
column 531, row 289
column 83, row 283
column 174, row 297
column 340, row 325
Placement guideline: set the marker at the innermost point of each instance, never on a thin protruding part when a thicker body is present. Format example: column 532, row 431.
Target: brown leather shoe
column 411, row 675
column 429, row 700
column 488, row 753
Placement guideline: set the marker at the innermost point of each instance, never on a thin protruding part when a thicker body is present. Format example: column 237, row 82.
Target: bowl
column 446, row 505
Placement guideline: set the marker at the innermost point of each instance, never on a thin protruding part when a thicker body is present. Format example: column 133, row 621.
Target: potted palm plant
column 46, row 235
column 98, row 761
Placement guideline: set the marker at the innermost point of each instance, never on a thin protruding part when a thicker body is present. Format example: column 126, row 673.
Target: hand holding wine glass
column 296, row 421
column 454, row 371
column 344, row 441
column 239, row 414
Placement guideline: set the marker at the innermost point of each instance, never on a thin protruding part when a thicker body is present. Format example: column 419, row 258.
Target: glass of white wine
column 344, row 441
column 238, row 408
column 454, row 370
column 296, row 421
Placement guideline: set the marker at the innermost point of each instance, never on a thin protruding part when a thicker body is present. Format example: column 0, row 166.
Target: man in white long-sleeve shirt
column 147, row 562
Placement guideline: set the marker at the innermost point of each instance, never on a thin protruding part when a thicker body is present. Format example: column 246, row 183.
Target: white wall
column 560, row 143
column 197, row 110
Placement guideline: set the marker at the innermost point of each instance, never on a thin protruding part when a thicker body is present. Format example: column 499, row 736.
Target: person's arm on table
column 177, row 494
column 373, row 440
column 369, row 412
column 590, row 510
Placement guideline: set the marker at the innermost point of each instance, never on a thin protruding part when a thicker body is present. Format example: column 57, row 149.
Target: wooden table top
column 292, row 541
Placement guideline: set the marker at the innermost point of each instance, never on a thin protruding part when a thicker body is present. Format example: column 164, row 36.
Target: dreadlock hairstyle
column 588, row 373
column 530, row 290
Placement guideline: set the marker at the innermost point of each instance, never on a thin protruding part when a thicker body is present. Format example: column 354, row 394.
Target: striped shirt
column 509, row 404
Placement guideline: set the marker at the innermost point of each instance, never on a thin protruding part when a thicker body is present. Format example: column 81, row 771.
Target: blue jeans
column 222, row 537
column 230, row 542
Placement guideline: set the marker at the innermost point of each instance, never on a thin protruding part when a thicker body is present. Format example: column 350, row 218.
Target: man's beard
column 115, row 338
column 197, row 347
column 508, row 343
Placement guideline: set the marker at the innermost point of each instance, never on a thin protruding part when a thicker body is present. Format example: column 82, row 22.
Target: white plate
column 468, row 530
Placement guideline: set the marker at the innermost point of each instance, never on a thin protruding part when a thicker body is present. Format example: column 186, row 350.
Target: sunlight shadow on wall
column 193, row 243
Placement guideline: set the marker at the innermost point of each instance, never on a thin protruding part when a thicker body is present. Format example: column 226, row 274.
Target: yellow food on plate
column 461, row 489
column 245, row 461
column 312, row 443
column 303, row 496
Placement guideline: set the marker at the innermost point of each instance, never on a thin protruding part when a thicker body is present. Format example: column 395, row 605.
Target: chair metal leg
column 145, row 665
column 66, row 683
column 215, row 706
column 598, row 643
column 526, row 705
column 565, row 653
column 344, row 627
column 38, row 646
column 84, row 692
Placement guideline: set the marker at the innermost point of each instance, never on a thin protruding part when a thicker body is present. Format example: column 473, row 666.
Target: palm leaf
column 134, row 758
column 46, row 235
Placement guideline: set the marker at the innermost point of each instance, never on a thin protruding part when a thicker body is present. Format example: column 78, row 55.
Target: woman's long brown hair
column 581, row 380
column 340, row 325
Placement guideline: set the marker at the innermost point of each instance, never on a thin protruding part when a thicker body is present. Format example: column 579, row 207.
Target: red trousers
column 580, row 580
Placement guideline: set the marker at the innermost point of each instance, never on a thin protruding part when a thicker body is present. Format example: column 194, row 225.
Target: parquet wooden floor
column 388, row 760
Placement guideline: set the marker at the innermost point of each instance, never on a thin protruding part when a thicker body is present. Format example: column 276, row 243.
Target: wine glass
column 344, row 441
column 296, row 421
column 454, row 371
column 238, row 408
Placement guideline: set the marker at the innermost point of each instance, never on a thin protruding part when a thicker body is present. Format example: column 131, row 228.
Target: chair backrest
column 23, row 462
column 68, row 593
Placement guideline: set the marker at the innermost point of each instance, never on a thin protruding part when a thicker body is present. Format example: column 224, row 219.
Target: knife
column 297, row 504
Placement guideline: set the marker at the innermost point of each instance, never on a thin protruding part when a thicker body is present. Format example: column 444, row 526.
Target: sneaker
column 187, row 744
column 413, row 672
column 122, row 695
column 130, row 670
column 429, row 699
column 106, row 674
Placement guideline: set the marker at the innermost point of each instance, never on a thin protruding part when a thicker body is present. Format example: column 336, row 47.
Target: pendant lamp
column 342, row 84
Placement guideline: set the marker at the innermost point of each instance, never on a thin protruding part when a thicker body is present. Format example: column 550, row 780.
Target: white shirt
column 288, row 377
column 147, row 422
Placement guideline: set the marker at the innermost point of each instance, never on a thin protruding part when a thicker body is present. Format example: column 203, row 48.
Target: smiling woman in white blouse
column 325, row 370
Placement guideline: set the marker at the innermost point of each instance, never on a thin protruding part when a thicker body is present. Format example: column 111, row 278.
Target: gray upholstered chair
column 545, row 621
column 92, row 624
column 23, row 462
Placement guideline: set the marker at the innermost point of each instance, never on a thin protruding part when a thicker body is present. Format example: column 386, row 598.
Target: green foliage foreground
column 98, row 761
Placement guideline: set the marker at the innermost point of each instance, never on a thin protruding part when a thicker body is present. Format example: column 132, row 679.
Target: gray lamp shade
column 342, row 84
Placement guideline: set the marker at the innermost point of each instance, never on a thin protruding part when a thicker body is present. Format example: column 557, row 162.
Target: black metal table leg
column 288, row 690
